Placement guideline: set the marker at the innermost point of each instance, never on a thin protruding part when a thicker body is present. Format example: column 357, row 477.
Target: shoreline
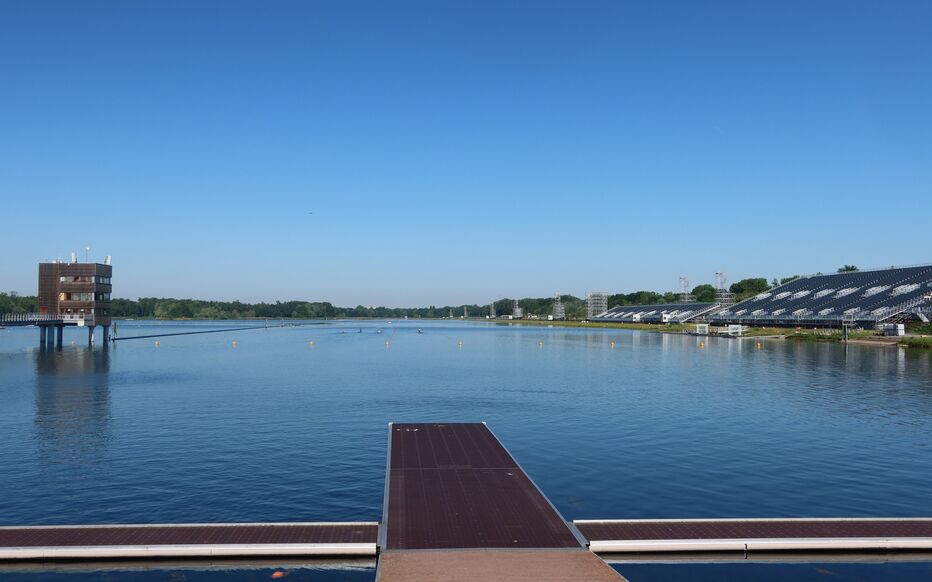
column 772, row 333
column 864, row 338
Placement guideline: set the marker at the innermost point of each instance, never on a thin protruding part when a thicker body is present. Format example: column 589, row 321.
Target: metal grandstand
column 661, row 313
column 863, row 298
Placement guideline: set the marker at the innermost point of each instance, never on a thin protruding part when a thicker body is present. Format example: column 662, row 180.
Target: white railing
column 29, row 317
column 33, row 318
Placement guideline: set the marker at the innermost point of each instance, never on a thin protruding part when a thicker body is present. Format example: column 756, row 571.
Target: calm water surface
column 273, row 429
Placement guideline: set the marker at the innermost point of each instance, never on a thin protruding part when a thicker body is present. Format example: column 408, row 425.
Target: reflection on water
column 72, row 401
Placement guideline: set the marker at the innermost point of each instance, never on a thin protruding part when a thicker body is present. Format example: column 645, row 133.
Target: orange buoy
column 279, row 574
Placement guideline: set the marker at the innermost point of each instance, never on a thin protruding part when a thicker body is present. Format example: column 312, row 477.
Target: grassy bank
column 919, row 328
column 916, row 342
column 825, row 335
column 660, row 327
column 654, row 327
column 828, row 335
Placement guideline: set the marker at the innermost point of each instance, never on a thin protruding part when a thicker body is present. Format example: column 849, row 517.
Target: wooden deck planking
column 496, row 565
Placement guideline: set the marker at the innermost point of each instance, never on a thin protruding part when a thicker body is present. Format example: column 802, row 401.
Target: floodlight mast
column 685, row 296
column 723, row 296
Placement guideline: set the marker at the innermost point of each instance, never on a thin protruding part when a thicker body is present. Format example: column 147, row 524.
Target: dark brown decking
column 151, row 535
column 455, row 486
column 187, row 539
column 762, row 534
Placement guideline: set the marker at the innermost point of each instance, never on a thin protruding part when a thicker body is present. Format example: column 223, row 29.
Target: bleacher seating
column 662, row 313
column 860, row 297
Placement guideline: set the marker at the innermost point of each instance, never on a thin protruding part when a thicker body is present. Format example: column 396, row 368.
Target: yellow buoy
column 540, row 344
column 460, row 343
column 156, row 343
column 701, row 345
column 386, row 343
column 311, row 343
column 759, row 345
column 234, row 343
column 613, row 343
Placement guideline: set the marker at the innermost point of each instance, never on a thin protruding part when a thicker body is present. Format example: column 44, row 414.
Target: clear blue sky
column 459, row 152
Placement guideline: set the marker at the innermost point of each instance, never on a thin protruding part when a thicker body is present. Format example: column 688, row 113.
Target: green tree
column 13, row 302
column 748, row 287
column 848, row 269
column 704, row 293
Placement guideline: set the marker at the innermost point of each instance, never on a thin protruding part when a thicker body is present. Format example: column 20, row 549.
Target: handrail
column 45, row 317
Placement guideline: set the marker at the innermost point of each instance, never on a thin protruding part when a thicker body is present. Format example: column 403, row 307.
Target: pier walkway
column 458, row 507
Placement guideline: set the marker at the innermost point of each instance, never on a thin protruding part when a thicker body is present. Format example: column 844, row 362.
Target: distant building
column 559, row 312
column 492, row 310
column 596, row 303
column 517, row 312
column 78, row 292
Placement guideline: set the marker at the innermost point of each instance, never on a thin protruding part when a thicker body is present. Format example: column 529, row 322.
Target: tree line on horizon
column 574, row 307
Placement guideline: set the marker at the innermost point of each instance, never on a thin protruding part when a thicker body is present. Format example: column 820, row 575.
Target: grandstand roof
column 859, row 296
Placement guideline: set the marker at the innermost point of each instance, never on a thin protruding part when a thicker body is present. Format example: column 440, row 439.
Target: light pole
column 86, row 251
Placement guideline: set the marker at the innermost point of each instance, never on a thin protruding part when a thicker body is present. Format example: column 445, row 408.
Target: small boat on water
column 419, row 330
